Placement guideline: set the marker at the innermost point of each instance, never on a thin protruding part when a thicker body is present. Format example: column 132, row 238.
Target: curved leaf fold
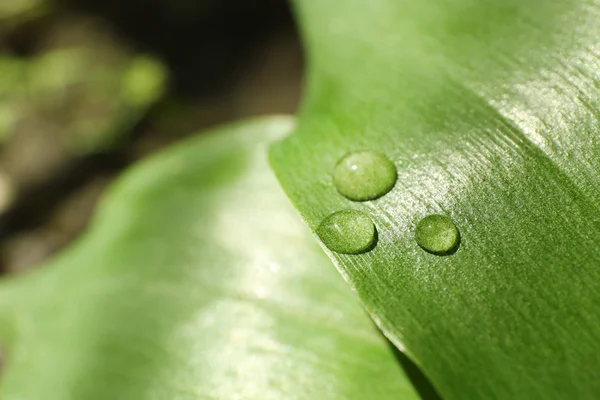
column 197, row 280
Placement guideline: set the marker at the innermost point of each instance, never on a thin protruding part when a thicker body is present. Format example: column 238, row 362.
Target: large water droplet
column 348, row 232
column 364, row 175
column 437, row 234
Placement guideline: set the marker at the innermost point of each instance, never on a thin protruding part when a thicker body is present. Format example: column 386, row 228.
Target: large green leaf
column 490, row 111
column 197, row 281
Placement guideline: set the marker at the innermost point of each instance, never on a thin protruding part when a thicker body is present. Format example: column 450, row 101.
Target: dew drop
column 348, row 232
column 437, row 234
column 364, row 175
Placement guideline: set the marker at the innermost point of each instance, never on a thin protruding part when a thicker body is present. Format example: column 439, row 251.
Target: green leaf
column 197, row 281
column 82, row 86
column 489, row 111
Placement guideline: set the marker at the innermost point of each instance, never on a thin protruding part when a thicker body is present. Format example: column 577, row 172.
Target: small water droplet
column 348, row 232
column 364, row 175
column 437, row 234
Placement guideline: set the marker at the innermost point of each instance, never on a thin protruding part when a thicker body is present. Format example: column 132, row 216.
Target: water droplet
column 364, row 175
column 348, row 232
column 437, row 234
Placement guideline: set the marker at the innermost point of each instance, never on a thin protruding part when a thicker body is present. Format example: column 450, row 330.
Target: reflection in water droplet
column 348, row 232
column 364, row 175
column 437, row 234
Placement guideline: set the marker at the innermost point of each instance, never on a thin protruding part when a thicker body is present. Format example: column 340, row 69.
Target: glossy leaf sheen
column 489, row 110
column 197, row 281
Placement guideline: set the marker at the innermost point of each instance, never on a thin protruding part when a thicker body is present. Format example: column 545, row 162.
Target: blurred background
column 88, row 87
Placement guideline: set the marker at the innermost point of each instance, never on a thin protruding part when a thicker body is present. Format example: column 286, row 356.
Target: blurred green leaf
column 15, row 12
column 12, row 76
column 197, row 280
column 489, row 110
column 82, row 83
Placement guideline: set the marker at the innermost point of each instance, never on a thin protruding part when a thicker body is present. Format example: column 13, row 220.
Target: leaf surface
column 489, row 111
column 197, row 281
